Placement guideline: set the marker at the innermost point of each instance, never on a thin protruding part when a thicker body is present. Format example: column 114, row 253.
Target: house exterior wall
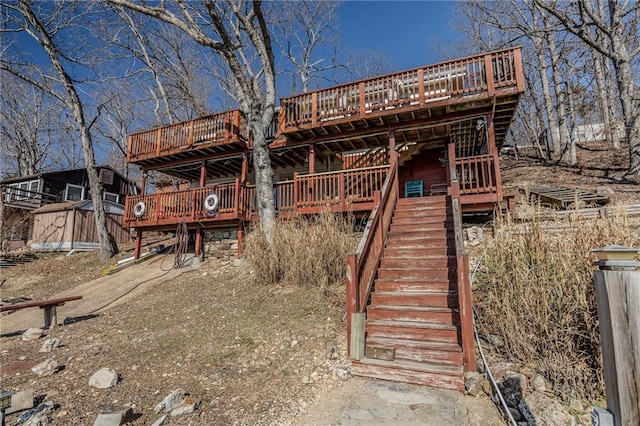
column 424, row 166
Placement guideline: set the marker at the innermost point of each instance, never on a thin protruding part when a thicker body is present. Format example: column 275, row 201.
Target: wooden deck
column 342, row 191
column 212, row 135
column 494, row 79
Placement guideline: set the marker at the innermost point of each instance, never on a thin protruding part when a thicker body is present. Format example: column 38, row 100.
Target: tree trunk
column 263, row 173
column 608, row 120
column 563, row 133
column 630, row 109
column 546, row 96
column 75, row 105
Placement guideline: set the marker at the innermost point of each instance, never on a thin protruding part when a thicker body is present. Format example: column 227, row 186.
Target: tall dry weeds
column 534, row 288
column 305, row 251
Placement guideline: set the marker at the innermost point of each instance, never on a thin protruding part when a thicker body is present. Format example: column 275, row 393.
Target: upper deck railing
column 217, row 129
column 475, row 75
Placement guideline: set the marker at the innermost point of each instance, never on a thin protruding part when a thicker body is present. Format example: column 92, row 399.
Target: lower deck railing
column 342, row 190
column 476, row 174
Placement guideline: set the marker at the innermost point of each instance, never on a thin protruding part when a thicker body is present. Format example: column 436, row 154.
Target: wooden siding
column 64, row 227
column 425, row 167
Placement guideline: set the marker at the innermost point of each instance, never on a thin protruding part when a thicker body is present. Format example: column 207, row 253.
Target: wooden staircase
column 412, row 327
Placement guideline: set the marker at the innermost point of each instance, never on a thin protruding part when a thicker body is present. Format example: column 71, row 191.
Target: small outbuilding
column 68, row 226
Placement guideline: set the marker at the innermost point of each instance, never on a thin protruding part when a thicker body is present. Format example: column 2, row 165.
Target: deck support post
column 393, row 154
column 493, row 150
column 143, row 183
column 312, row 168
column 136, row 253
column 198, row 242
column 240, row 239
column 203, row 173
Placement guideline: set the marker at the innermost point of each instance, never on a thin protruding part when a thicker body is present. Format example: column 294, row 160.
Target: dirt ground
column 598, row 166
column 251, row 354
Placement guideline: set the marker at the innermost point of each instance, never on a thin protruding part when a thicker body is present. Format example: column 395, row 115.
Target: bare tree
column 303, row 27
column 43, row 22
column 28, row 133
column 618, row 22
column 238, row 32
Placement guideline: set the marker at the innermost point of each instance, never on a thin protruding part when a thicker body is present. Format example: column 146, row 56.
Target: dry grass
column 305, row 251
column 534, row 288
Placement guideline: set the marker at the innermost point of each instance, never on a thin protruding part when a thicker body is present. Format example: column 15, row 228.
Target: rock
column 161, row 421
column 171, row 401
column 604, row 191
column 104, row 378
column 32, row 334
column 475, row 236
column 486, row 387
column 37, row 416
column 238, row 262
column 22, row 400
column 576, row 405
column 538, row 383
column 515, row 413
column 473, row 383
column 517, row 382
column 554, row 413
column 500, row 370
column 112, row 416
column 314, row 377
column 46, row 368
column 49, row 344
column 493, row 341
column 342, row 374
column 189, row 405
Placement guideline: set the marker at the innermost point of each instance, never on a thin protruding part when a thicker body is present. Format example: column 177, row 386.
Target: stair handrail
column 464, row 282
column 363, row 264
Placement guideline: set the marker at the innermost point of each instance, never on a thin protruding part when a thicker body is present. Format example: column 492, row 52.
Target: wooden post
column 136, row 253
column 488, row 68
column 198, row 242
column 493, row 149
column 312, row 158
column 454, row 179
column 352, row 303
column 617, row 286
column 143, row 183
column 203, row 173
column 393, row 154
column 245, row 168
column 240, row 239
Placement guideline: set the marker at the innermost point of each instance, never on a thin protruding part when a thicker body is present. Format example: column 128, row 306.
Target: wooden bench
column 49, row 307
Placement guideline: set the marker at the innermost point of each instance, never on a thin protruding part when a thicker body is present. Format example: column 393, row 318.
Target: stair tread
column 411, row 324
column 434, row 309
column 415, row 366
column 391, row 342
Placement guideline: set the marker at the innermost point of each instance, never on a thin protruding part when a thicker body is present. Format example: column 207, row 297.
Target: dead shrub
column 306, row 251
column 534, row 288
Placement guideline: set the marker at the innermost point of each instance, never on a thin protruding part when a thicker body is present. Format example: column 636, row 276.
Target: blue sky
column 408, row 32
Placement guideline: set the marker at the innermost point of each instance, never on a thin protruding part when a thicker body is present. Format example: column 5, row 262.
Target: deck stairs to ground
column 412, row 322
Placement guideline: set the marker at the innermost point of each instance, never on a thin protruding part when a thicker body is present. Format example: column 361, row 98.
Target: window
column 73, row 193
column 22, row 190
column 110, row 196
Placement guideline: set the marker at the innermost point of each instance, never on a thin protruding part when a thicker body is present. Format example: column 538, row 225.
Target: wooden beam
column 312, row 158
column 203, row 173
